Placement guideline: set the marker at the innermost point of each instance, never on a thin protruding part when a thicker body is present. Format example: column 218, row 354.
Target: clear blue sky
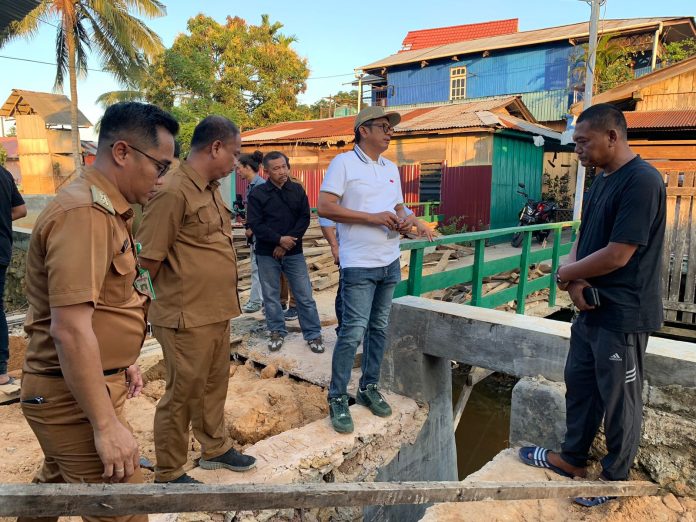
column 334, row 37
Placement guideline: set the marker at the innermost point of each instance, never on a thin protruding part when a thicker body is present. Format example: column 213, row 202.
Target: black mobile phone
column 591, row 296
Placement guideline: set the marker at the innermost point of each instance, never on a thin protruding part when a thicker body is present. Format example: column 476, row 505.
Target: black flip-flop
column 11, row 380
column 539, row 459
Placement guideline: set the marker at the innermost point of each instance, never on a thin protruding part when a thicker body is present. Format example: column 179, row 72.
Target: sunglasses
column 162, row 168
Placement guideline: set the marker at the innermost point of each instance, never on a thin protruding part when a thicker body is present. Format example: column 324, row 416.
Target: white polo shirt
column 366, row 186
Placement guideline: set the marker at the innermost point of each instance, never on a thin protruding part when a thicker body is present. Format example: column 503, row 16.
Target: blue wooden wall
column 513, row 71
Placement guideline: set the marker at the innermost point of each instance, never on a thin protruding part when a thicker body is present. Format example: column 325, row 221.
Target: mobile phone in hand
column 591, row 296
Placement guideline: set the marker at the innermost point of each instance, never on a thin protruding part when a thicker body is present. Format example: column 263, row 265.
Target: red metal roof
column 679, row 119
column 457, row 33
column 10, row 145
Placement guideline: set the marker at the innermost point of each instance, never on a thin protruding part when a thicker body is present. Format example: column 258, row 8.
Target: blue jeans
column 4, row 339
column 367, row 296
column 255, row 296
column 295, row 270
column 338, row 304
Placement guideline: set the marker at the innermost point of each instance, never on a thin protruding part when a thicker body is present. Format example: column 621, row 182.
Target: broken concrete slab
column 507, row 467
column 516, row 344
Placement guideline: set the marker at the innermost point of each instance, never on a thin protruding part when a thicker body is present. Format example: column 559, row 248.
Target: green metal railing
column 427, row 205
column 417, row 283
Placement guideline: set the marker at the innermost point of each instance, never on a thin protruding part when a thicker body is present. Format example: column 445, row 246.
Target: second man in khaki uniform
column 186, row 235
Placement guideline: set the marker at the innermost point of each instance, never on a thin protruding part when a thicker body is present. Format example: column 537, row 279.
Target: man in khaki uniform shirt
column 186, row 235
column 86, row 322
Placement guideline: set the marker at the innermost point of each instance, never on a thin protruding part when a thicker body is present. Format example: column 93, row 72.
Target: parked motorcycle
column 534, row 213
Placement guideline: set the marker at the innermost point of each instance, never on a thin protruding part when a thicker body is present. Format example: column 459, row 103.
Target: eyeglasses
column 162, row 167
column 384, row 126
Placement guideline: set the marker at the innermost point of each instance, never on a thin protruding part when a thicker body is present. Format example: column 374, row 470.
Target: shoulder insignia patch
column 101, row 199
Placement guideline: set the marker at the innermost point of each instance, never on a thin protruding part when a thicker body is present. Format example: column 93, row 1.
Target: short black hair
column 274, row 155
column 358, row 136
column 213, row 128
column 605, row 116
column 134, row 121
column 252, row 160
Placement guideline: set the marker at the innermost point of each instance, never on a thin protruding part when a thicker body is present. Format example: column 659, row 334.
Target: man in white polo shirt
column 361, row 192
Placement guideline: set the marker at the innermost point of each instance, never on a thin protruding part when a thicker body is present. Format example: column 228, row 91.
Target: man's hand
column 134, row 380
column 287, row 242
column 248, row 233
column 279, row 252
column 385, row 219
column 334, row 253
column 408, row 223
column 575, row 292
column 424, row 230
column 117, row 450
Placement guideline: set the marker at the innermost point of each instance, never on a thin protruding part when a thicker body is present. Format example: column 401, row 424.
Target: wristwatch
column 559, row 282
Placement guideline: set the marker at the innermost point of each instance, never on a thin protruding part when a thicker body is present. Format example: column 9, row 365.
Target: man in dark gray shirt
column 617, row 253
column 11, row 207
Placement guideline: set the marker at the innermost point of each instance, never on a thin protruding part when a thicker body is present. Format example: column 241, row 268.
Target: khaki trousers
column 197, row 364
column 66, row 436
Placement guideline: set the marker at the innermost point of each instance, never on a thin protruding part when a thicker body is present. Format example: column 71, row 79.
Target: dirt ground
column 259, row 404
column 18, row 345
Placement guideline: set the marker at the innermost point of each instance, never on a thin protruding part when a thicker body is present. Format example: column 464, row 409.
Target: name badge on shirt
column 143, row 283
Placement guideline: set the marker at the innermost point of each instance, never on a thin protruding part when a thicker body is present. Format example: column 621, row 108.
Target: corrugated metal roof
column 53, row 108
column 550, row 34
column 9, row 143
column 457, row 33
column 682, row 119
column 491, row 112
column 15, row 10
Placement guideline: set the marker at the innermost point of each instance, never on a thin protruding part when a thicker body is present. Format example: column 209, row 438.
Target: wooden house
column 538, row 65
column 469, row 157
column 43, row 138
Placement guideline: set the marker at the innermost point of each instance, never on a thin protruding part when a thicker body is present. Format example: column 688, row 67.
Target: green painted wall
column 514, row 160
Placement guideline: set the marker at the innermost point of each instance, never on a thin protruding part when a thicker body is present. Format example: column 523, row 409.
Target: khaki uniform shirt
column 188, row 227
column 82, row 251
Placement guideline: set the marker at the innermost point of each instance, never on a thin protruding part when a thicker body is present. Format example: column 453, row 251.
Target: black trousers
column 604, row 379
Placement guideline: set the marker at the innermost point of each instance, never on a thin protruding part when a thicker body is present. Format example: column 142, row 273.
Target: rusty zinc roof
column 53, row 108
column 493, row 113
column 661, row 120
column 522, row 38
column 457, row 33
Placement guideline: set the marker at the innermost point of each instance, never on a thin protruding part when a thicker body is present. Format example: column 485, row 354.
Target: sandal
column 10, row 381
column 316, row 345
column 592, row 501
column 539, row 459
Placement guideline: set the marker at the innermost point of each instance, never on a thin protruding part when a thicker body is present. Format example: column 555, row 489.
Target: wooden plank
column 415, row 272
column 677, row 306
column 43, row 500
column 670, row 231
column 442, row 263
column 690, row 283
column 477, row 275
column 679, row 241
column 681, row 332
column 682, row 191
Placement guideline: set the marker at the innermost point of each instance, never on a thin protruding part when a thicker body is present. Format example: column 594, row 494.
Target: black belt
column 59, row 373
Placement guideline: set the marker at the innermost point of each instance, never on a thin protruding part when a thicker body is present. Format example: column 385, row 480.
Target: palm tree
column 122, row 42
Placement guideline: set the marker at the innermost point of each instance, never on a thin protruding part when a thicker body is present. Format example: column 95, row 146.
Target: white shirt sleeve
column 335, row 178
column 323, row 222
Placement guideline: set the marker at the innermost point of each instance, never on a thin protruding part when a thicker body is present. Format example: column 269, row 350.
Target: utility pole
column 587, row 98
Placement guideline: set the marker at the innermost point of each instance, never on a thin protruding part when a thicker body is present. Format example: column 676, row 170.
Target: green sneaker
column 371, row 398
column 340, row 414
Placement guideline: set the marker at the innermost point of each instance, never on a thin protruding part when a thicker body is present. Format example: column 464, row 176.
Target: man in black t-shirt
column 11, row 207
column 618, row 252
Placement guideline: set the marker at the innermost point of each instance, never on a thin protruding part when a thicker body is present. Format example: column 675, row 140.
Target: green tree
column 325, row 107
column 122, row 41
column 677, row 51
column 614, row 63
column 3, row 156
column 249, row 73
